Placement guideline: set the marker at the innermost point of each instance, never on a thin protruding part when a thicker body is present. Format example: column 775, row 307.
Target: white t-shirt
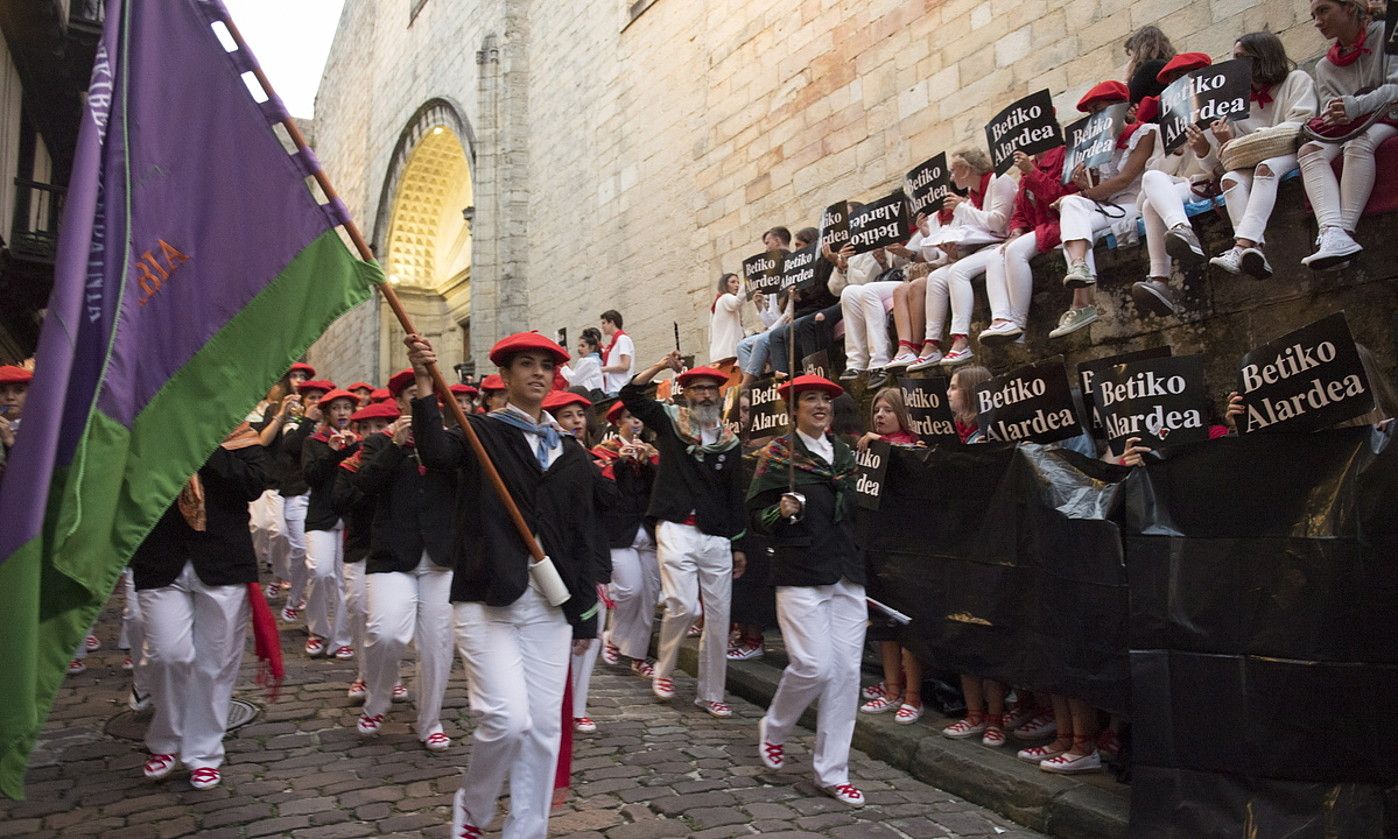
column 613, row 382
column 585, row 372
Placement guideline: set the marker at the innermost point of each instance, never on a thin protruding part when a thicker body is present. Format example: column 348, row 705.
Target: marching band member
column 327, row 623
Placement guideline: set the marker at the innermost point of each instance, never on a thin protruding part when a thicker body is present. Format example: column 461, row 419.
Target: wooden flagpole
column 391, row 297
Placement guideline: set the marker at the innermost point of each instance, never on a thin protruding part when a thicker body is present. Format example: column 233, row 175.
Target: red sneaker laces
column 848, row 790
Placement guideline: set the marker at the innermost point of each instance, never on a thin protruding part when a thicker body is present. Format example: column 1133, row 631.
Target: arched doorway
column 424, row 237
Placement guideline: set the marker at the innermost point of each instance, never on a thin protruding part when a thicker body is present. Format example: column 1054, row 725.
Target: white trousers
column 695, row 564
column 823, row 629
column 356, row 608
column 1339, row 203
column 635, row 588
column 194, row 642
column 1162, row 207
column 516, row 666
column 294, row 516
column 582, row 667
column 951, row 285
column 866, row 324
column 1251, row 196
column 325, row 607
column 1009, row 281
column 133, row 633
column 1079, row 218
column 405, row 609
column 269, row 534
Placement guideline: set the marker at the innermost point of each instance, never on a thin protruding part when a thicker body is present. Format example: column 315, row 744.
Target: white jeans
column 325, row 608
column 694, row 564
column 1009, row 281
column 516, row 666
column 823, row 629
column 1080, row 219
column 1162, row 207
column 194, row 642
column 1251, row 195
column 1340, row 203
column 405, row 609
column 951, row 284
column 133, row 633
column 294, row 515
column 866, row 324
column 356, row 607
column 269, row 533
column 582, row 667
column 635, row 587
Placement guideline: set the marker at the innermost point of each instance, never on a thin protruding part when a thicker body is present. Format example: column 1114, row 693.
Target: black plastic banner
column 763, row 272
column 817, row 364
column 1029, row 125
column 927, row 185
column 1162, row 401
column 834, row 226
column 880, row 223
column 873, row 470
column 1220, row 91
column 1033, row 403
column 926, row 401
column 766, row 410
column 1091, row 140
column 799, row 268
column 1307, row 380
column 1088, row 370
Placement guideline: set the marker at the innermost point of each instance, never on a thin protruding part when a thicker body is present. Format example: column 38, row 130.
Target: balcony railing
column 38, row 208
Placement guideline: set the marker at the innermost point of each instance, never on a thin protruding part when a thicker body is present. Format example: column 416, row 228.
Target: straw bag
column 1264, row 144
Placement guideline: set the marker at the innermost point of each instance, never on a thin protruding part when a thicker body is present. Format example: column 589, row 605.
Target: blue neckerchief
column 548, row 434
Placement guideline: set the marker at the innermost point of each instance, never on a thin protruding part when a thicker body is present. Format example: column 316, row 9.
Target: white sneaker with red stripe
column 369, row 724
column 205, row 777
column 845, row 793
column 290, row 614
column 611, row 653
column 437, row 742
column 357, row 690
column 643, row 668
column 76, row 666
column 461, row 826
column 874, row 691
column 344, row 653
column 400, row 693
column 662, row 687
column 92, row 644
column 158, row 766
column 584, row 725
column 771, row 754
column 715, row 709
column 315, row 646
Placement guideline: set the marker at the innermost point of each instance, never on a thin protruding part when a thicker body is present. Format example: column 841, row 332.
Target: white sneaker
column 1079, row 276
column 1073, row 320
column 1071, row 764
column 1255, row 264
column 461, row 824
column 900, row 361
column 357, row 690
column 720, row 710
column 845, row 793
column 1230, row 261
column 137, row 702
column 1182, row 244
column 926, row 361
column 956, row 357
column 1336, row 248
column 770, row 753
column 1000, row 333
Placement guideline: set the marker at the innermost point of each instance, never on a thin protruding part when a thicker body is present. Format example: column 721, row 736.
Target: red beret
column 614, row 413
column 1183, row 63
column 521, row 342
column 13, row 375
column 380, row 395
column 1109, row 92
column 561, row 399
column 701, row 373
column 466, row 389
column 492, row 382
column 400, row 380
column 332, row 395
column 361, row 386
column 303, row 367
column 809, row 382
column 315, row 384
column 381, row 410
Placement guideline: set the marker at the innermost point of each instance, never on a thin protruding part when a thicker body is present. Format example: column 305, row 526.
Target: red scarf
column 266, row 643
column 1263, row 97
column 607, row 353
column 1147, row 111
column 965, row 430
column 900, row 438
column 978, row 194
column 1341, row 57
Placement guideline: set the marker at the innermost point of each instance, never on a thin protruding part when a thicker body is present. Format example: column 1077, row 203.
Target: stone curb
column 1072, row 808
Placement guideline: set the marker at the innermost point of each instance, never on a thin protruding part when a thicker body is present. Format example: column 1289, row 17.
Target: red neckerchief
column 713, row 307
column 978, row 194
column 965, row 430
column 607, row 353
column 1147, row 110
column 899, row 438
column 1263, row 97
column 1341, row 57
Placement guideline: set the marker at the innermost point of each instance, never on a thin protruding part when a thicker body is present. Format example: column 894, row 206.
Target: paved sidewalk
column 300, row 770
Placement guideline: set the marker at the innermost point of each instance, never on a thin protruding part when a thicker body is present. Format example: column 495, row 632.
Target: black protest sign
column 1307, row 380
column 1219, row 91
column 799, row 268
column 1163, row 401
column 763, row 272
column 1033, row 403
column 880, row 223
column 872, row 465
column 927, row 185
column 834, row 226
column 1088, row 371
column 766, row 410
column 1091, row 141
column 1028, row 125
column 926, row 401
column 817, row 364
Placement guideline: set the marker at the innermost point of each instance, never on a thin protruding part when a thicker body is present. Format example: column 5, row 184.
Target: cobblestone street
column 299, row 769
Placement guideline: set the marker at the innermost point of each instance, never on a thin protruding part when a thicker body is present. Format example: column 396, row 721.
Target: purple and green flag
column 194, row 266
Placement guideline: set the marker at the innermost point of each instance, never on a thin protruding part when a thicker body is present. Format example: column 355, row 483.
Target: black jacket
column 357, row 511
column 632, row 482
column 286, row 459
column 320, row 466
column 816, row 550
column 222, row 553
column 412, row 509
column 489, row 557
column 709, row 486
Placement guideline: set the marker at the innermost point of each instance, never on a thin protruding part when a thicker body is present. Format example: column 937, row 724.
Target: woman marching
column 803, row 496
column 327, row 621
